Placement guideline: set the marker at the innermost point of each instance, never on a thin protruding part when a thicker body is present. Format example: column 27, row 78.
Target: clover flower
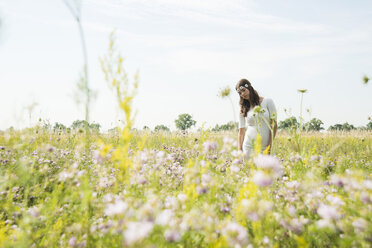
column 116, row 208
column 268, row 162
column 137, row 231
column 235, row 234
column 209, row 146
column 164, row 217
column 172, row 236
column 262, row 179
column 328, row 212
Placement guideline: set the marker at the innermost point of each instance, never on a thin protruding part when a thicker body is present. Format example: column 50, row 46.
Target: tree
column 314, row 125
column 81, row 124
column 369, row 125
column 289, row 123
column 184, row 122
column 342, row 127
column 226, row 127
column 95, row 127
column 161, row 128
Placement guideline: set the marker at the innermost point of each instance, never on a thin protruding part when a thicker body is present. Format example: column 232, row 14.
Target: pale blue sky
column 185, row 52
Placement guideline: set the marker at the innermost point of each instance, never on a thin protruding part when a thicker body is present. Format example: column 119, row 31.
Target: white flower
column 262, row 179
column 367, row 184
column 360, row 224
column 335, row 200
column 170, row 202
column 164, row 217
column 328, row 212
column 234, row 169
column 268, row 162
column 172, row 236
column 182, row 197
column 292, row 184
column 235, row 234
column 206, row 178
column 209, row 146
column 324, row 223
column 117, row 208
column 64, row 175
column 136, row 231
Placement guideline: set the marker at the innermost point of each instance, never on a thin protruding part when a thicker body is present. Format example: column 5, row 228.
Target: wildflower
column 117, row 208
column 367, row 184
column 234, row 169
column 235, row 234
column 360, row 225
column 337, row 180
column 172, row 236
column 137, row 231
column 170, row 202
column 335, row 200
column 206, row 178
column 270, row 163
column 34, row 212
column 164, row 217
column 292, row 184
column 262, row 179
column 64, row 175
column 328, row 212
column 228, row 140
column 201, row 190
column 72, row 241
column 209, row 146
column 323, row 223
column 97, row 158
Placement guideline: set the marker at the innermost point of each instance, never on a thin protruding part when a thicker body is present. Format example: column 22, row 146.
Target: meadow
column 179, row 189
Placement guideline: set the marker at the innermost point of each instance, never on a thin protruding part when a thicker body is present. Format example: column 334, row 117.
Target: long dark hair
column 254, row 98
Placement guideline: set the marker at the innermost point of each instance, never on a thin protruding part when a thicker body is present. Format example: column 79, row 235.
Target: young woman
column 252, row 122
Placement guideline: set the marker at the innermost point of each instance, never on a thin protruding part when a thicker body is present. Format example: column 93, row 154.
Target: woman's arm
column 275, row 128
column 241, row 138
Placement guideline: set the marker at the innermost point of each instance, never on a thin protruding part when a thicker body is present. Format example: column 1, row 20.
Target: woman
column 252, row 122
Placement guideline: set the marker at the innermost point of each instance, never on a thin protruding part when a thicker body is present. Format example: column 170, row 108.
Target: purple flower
column 261, row 179
column 268, row 162
column 328, row 212
column 209, row 146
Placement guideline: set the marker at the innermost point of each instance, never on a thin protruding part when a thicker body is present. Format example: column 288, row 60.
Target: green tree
column 226, row 127
column 342, row 127
column 95, row 127
column 289, row 123
column 369, row 125
column 314, row 125
column 184, row 121
column 161, row 128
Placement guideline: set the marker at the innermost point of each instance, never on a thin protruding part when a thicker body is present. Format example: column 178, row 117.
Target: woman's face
column 243, row 92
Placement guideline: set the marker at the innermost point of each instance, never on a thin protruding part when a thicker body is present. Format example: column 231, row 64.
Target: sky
column 186, row 51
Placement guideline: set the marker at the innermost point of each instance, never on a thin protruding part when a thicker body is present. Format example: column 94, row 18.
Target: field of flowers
column 146, row 189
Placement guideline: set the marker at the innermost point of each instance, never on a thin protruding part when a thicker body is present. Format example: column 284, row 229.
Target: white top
column 269, row 113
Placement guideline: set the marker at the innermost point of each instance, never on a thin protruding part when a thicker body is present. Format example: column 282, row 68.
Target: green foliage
column 54, row 194
column 161, row 128
column 81, row 124
column 314, row 125
column 230, row 126
column 289, row 123
column 342, row 127
column 369, row 125
column 184, row 122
